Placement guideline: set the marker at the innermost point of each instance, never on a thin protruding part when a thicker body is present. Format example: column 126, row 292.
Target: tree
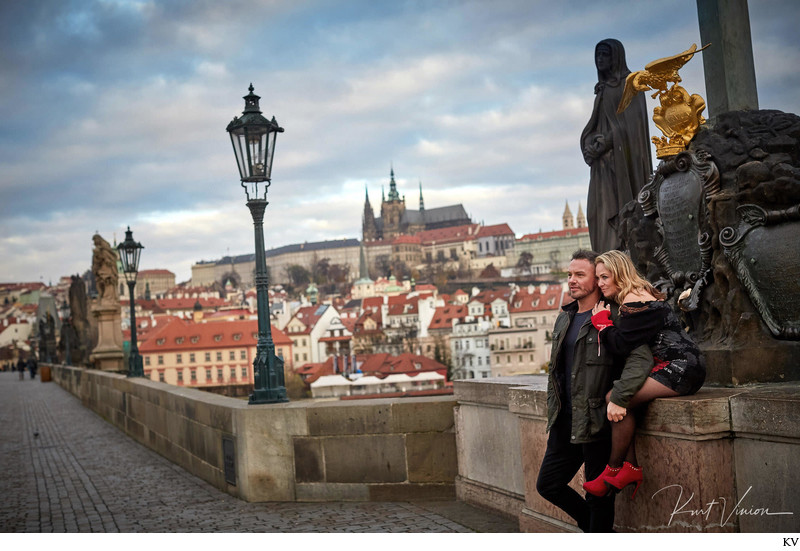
column 298, row 275
column 320, row 271
column 525, row 262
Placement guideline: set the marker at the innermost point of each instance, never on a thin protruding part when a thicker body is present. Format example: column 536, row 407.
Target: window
column 305, row 357
column 160, row 360
column 208, row 356
column 244, row 373
column 237, row 337
column 208, row 375
column 147, row 360
column 232, row 355
column 195, row 339
column 243, row 354
column 191, row 357
column 161, row 376
column 179, row 358
column 194, row 376
column 179, row 340
column 180, row 377
column 219, row 374
column 219, row 356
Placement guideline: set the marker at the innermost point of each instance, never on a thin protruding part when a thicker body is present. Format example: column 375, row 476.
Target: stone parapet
column 490, row 466
column 377, row 449
column 722, row 460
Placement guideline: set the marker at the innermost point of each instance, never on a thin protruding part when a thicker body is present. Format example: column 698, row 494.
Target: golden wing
column 629, row 92
column 668, row 65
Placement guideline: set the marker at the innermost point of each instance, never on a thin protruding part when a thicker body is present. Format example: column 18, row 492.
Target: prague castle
column 396, row 220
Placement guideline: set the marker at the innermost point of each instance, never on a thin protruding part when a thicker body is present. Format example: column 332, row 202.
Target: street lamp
column 253, row 139
column 129, row 252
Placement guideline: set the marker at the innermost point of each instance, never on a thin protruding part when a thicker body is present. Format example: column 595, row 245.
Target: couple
column 605, row 362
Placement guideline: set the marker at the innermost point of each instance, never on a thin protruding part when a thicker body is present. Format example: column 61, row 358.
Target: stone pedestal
column 108, row 355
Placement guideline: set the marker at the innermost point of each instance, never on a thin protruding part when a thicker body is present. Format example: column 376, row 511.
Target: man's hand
column 615, row 412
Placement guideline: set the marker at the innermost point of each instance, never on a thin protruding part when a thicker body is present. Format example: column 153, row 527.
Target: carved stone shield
column 764, row 250
column 677, row 197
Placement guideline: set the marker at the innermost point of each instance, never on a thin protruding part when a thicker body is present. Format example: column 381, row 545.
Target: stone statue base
column 108, row 355
column 740, row 271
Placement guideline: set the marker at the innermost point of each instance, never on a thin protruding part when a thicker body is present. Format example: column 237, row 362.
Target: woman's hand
column 599, row 307
column 615, row 412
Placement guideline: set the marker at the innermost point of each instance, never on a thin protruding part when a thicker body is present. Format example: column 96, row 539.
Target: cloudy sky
column 113, row 113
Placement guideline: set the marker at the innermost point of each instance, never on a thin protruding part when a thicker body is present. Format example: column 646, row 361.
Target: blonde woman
column 644, row 319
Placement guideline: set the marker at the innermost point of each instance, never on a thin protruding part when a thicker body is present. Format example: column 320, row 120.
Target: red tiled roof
column 455, row 234
column 188, row 303
column 349, row 323
column 180, row 334
column 488, row 296
column 444, row 315
column 155, row 272
column 412, row 239
column 524, row 301
column 497, row 229
column 553, row 234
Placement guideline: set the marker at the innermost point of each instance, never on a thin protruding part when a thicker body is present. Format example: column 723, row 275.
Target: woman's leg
column 622, row 432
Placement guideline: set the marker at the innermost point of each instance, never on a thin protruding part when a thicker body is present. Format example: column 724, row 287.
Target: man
column 581, row 374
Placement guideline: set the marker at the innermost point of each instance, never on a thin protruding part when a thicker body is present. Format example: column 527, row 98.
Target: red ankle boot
column 628, row 474
column 598, row 486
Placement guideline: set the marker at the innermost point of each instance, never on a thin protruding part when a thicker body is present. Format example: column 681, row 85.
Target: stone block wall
column 723, row 460
column 298, row 451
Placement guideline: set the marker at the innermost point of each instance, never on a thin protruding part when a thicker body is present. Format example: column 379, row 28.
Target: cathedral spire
column 569, row 221
column 369, row 230
column 581, row 217
column 421, row 201
column 393, row 195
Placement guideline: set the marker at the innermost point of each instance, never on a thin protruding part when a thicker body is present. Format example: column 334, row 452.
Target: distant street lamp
column 66, row 327
column 129, row 252
column 253, row 139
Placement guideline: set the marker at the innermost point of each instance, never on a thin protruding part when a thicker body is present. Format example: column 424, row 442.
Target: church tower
column 569, row 221
column 392, row 210
column 421, row 201
column 581, row 217
column 368, row 230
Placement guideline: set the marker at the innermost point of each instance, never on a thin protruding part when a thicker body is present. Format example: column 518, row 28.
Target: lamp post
column 66, row 328
column 253, row 138
column 129, row 252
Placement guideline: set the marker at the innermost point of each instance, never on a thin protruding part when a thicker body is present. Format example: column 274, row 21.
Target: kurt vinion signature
column 721, row 503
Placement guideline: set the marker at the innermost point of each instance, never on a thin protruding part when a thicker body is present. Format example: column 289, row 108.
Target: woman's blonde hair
column 626, row 278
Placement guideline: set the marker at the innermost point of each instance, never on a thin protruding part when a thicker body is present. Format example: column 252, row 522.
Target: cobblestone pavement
column 65, row 469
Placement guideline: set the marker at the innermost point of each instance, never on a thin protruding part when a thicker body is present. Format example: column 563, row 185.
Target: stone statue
column 79, row 321
column 104, row 267
column 615, row 146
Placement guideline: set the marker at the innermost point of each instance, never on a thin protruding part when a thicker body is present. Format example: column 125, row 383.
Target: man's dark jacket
column 593, row 373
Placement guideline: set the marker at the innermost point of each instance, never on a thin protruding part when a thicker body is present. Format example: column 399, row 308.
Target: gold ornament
column 679, row 115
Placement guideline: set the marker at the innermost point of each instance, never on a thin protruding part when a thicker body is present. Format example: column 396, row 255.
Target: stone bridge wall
column 736, row 448
column 298, row 451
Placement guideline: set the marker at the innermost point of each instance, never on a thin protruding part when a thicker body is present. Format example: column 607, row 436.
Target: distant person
column 32, row 366
column 581, row 374
column 644, row 318
column 616, row 147
column 21, row 368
